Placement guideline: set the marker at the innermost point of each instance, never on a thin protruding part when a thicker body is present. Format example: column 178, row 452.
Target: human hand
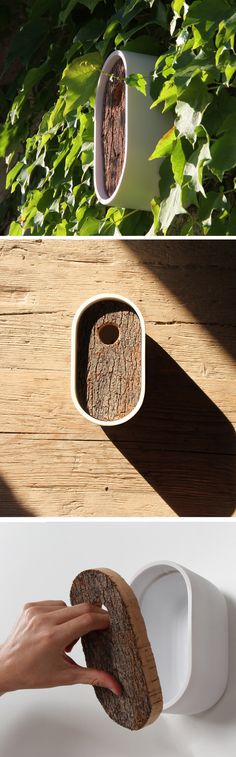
column 35, row 654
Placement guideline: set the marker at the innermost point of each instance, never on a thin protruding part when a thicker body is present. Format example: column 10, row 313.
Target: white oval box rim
column 139, row 177
column 189, row 624
column 74, row 357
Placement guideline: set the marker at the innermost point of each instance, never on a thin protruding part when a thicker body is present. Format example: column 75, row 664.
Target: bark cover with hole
column 109, row 375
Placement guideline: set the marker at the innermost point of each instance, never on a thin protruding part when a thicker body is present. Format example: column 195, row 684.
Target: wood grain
column 178, row 455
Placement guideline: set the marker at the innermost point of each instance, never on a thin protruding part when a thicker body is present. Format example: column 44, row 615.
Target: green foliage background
column 46, row 131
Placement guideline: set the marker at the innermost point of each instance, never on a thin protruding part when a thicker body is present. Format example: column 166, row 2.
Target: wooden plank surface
column 177, row 456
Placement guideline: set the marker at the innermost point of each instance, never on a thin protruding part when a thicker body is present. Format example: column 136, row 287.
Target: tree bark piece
column 122, row 650
column 113, row 127
column 109, row 375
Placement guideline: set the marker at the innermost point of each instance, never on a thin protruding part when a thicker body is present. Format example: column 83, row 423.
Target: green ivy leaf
column 13, row 173
column 230, row 24
column 143, row 44
column 111, row 29
column 213, row 201
column 130, row 6
column 178, row 161
column 15, row 230
column 34, row 76
column 137, row 81
column 190, row 108
column 168, row 94
column 164, row 145
column 156, row 212
column 230, row 70
column 60, row 229
column 194, row 167
column 90, row 225
column 221, row 114
column 73, row 153
column 162, row 15
column 209, row 13
column 87, row 34
column 171, row 207
column 80, row 79
column 135, row 223
column 219, row 227
column 223, row 154
column 189, row 196
column 176, row 6
column 187, row 120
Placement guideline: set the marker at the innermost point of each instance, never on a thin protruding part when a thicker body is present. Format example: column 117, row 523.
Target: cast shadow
column 224, row 711
column 9, row 505
column 202, row 275
column 180, row 442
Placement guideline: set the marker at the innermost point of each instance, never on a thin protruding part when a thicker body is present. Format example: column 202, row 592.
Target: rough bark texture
column 109, row 375
column 113, row 128
column 123, row 650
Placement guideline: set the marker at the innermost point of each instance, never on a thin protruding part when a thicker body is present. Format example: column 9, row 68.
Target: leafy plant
column 46, row 137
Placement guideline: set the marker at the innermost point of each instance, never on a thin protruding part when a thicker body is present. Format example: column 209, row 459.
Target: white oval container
column 187, row 624
column 75, row 357
column 139, row 180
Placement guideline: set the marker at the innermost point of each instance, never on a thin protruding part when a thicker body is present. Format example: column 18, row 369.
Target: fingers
column 95, row 677
column 92, row 677
column 54, row 603
column 69, row 613
column 60, row 612
column 79, row 626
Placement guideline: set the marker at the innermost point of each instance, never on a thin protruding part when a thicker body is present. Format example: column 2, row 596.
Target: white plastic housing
column 75, row 357
column 187, row 625
column 139, row 180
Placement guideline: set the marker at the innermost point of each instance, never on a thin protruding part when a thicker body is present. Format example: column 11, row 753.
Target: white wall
column 39, row 560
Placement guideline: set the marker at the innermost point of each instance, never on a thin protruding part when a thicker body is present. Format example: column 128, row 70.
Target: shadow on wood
column 9, row 505
column 202, row 275
column 180, row 442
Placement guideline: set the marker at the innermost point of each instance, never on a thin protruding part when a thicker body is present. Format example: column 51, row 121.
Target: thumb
column 95, row 677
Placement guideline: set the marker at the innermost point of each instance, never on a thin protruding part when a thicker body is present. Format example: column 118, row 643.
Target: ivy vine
column 47, row 113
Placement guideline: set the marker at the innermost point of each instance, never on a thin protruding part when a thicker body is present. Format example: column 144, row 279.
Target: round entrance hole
column 109, row 333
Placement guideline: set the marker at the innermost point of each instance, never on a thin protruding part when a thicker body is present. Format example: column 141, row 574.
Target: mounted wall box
column 126, row 133
column 108, row 359
column 187, row 625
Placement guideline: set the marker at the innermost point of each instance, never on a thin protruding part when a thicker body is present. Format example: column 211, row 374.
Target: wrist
column 5, row 673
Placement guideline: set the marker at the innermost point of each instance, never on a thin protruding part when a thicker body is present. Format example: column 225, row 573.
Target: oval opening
column 109, row 333
column 164, row 605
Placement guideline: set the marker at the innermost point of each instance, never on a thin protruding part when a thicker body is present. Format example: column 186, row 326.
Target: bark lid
column 109, row 357
column 122, row 650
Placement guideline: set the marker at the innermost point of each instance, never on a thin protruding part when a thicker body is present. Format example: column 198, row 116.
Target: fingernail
column 117, row 693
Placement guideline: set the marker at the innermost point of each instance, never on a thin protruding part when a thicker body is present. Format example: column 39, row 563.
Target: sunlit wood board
column 177, row 457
